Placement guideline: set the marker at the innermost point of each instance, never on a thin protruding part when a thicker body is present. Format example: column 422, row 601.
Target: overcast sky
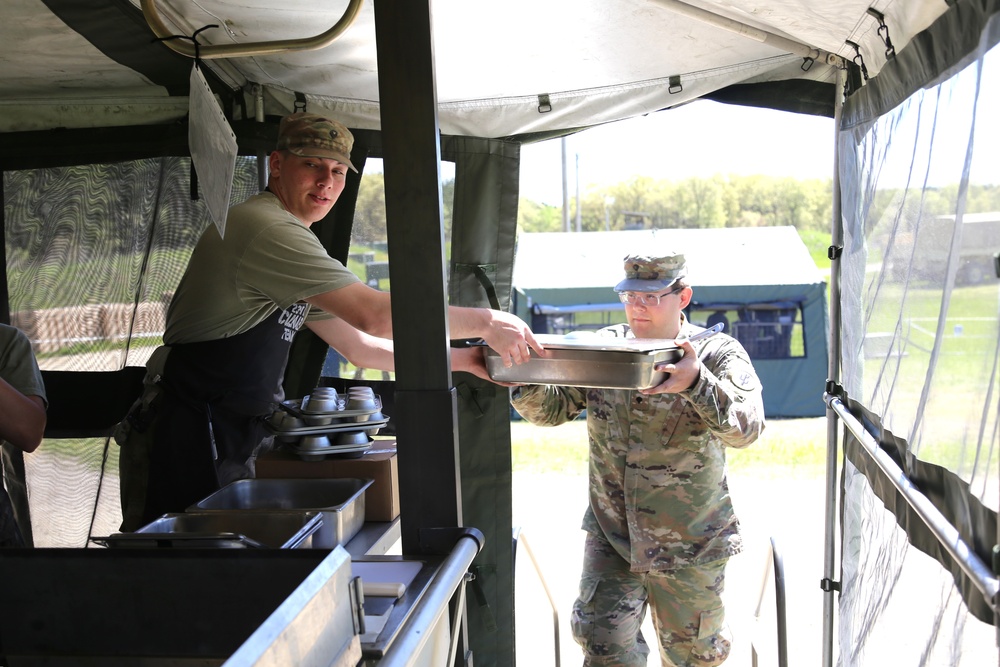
column 702, row 138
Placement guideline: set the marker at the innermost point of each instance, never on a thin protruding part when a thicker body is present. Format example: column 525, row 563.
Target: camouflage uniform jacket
column 658, row 488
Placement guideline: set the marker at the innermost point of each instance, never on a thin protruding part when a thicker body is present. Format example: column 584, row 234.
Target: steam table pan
column 222, row 530
column 590, row 361
column 341, row 503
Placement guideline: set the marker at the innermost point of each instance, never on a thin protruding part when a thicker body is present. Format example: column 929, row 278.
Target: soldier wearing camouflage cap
column 199, row 423
column 652, row 273
column 311, row 135
column 660, row 523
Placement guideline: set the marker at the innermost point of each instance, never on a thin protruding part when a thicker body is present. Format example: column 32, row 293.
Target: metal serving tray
column 321, row 453
column 369, row 427
column 590, row 361
column 222, row 530
column 341, row 503
column 295, row 406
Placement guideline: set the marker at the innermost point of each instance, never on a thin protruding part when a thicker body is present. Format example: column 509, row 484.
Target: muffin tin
column 313, row 435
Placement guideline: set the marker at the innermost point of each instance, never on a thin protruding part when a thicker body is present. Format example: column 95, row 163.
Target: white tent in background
column 760, row 280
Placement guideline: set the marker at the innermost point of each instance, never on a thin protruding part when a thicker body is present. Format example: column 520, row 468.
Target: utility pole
column 579, row 227
column 565, row 186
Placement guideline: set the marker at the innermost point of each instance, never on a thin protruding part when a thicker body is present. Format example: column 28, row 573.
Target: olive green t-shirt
column 267, row 261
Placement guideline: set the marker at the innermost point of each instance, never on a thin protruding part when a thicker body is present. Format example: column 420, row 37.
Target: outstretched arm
column 369, row 311
column 505, row 332
column 366, row 351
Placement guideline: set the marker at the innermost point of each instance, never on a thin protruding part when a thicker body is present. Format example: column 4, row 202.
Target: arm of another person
column 367, row 351
column 22, row 418
column 369, row 311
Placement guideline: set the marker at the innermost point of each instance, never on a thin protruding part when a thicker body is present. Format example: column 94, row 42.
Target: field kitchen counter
column 355, row 604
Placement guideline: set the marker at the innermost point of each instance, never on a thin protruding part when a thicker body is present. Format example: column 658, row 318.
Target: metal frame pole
column 833, row 376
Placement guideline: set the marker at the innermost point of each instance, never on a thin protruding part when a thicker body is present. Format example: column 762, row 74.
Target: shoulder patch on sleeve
column 745, row 379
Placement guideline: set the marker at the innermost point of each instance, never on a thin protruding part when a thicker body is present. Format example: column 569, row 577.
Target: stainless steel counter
column 155, row 607
column 375, row 538
column 262, row 607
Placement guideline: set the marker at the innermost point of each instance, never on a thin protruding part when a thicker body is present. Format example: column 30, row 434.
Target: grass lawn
column 787, row 446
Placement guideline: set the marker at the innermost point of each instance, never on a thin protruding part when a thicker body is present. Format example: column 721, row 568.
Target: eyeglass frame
column 643, row 298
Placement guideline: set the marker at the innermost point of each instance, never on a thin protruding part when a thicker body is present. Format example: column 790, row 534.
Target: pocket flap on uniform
column 711, row 622
column 588, row 586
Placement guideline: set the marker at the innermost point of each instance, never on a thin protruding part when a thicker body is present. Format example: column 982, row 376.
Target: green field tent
column 760, row 280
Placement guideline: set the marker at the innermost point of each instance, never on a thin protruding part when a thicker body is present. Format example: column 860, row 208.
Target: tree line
column 727, row 201
column 693, row 203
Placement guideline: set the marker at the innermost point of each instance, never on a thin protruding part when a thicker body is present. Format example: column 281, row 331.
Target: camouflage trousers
column 685, row 604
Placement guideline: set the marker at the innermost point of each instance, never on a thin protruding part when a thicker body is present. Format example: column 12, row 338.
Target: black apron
column 209, row 422
column 10, row 535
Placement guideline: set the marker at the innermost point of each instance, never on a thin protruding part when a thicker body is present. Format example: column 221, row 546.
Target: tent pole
column 750, row 32
column 833, row 376
column 565, row 187
column 258, row 107
column 154, row 20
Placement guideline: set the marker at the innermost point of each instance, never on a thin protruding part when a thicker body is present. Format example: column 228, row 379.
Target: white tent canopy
column 591, row 61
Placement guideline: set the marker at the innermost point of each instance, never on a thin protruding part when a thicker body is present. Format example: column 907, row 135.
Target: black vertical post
column 427, row 432
column 4, row 295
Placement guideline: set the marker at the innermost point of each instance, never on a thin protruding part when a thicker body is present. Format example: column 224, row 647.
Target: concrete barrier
column 53, row 329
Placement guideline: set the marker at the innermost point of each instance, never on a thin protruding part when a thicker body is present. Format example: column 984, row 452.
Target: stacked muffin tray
column 313, row 435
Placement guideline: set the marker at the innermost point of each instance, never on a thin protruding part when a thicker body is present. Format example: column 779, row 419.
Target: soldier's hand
column 511, row 338
column 473, row 360
column 681, row 374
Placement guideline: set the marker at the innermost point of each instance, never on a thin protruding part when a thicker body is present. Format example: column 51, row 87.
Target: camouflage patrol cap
column 652, row 273
column 311, row 135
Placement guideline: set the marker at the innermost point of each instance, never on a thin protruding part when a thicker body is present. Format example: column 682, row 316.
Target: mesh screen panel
column 94, row 253
column 920, row 349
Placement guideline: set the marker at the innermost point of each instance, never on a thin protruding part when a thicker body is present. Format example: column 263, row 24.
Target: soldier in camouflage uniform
column 660, row 526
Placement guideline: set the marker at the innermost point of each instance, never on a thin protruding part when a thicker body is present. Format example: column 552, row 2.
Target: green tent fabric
column 483, row 231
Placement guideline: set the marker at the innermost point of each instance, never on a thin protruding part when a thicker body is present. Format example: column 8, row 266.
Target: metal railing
column 945, row 533
column 448, row 583
column 774, row 571
column 520, row 538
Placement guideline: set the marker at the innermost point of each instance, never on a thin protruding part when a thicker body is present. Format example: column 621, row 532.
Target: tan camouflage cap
column 311, row 135
column 652, row 273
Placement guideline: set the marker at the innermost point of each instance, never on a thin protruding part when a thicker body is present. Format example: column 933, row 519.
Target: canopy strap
column 491, row 290
column 883, row 33
column 858, row 59
column 193, row 38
